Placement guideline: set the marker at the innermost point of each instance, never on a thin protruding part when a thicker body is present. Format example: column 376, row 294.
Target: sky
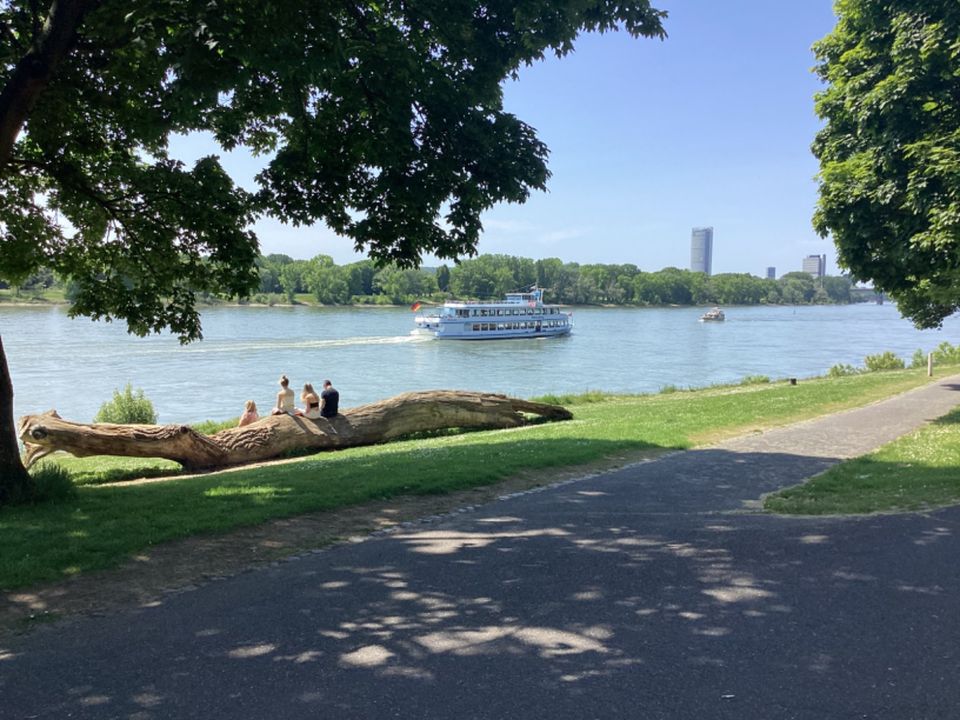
column 649, row 139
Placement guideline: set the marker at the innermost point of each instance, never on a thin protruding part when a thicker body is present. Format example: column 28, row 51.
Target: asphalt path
column 655, row 591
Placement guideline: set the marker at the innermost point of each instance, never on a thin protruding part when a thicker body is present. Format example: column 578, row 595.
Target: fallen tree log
column 277, row 435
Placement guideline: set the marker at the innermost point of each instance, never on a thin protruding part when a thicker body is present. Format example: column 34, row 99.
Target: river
column 74, row 365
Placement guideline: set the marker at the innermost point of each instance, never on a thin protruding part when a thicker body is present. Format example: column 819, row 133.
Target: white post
column 930, row 364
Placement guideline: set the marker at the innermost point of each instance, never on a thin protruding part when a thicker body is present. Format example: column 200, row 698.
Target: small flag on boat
column 416, row 306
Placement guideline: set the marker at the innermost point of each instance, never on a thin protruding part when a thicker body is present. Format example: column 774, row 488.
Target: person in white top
column 311, row 403
column 285, row 403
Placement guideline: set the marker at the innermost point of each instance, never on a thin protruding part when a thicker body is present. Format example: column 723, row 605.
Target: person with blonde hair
column 285, row 404
column 311, row 403
column 249, row 413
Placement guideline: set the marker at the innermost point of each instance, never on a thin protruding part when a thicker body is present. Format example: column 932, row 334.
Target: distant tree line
column 492, row 276
column 282, row 279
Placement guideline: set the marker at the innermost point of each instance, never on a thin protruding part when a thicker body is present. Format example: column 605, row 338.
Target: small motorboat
column 713, row 315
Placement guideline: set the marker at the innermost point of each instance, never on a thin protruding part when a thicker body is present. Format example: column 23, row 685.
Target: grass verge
column 107, row 523
column 918, row 471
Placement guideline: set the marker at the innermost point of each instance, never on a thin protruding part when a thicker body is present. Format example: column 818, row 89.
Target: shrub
column 842, row 370
column 128, row 407
column 269, row 299
column 52, row 484
column 947, row 354
column 944, row 354
column 883, row 361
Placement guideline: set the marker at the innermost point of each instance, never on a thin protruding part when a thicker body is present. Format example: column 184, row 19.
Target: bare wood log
column 276, row 435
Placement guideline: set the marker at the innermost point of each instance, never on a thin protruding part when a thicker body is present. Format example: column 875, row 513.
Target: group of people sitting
column 326, row 404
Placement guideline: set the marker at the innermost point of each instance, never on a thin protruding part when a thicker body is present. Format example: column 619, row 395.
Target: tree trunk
column 15, row 482
column 276, row 435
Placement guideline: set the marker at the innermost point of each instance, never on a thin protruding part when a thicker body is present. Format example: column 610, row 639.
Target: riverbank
column 133, row 525
column 56, row 297
column 108, row 523
column 370, row 354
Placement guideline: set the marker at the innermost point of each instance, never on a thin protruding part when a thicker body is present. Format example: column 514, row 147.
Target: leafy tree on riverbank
column 890, row 150
column 490, row 276
column 378, row 119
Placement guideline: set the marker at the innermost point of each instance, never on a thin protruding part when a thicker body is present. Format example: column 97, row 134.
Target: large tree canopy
column 890, row 150
column 383, row 120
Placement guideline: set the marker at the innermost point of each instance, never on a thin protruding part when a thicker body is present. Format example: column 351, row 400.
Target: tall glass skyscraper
column 701, row 250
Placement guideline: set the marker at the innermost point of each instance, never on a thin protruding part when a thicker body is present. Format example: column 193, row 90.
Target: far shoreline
column 40, row 302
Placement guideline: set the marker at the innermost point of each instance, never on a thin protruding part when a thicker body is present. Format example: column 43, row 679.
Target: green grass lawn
column 920, row 470
column 106, row 522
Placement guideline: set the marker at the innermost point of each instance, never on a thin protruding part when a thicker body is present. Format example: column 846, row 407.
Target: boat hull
column 503, row 335
column 465, row 331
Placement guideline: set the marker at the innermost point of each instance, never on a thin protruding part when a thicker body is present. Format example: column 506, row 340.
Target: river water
column 369, row 354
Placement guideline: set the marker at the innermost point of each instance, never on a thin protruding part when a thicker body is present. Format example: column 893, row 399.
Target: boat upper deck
column 511, row 300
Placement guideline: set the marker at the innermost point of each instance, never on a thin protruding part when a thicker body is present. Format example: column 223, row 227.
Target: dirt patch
column 186, row 564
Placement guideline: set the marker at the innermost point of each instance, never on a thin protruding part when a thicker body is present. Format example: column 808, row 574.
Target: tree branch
column 5, row 29
column 32, row 75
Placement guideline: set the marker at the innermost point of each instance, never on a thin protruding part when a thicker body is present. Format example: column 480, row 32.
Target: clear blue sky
column 649, row 139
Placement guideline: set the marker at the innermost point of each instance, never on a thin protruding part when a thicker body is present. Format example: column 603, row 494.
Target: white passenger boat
column 519, row 315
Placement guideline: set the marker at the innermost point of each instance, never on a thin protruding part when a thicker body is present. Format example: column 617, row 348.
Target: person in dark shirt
column 329, row 400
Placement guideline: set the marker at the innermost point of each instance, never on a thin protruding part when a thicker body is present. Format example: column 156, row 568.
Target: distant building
column 771, row 273
column 816, row 265
column 701, row 250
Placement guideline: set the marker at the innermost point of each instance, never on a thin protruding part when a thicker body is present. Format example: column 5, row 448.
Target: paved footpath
column 651, row 592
